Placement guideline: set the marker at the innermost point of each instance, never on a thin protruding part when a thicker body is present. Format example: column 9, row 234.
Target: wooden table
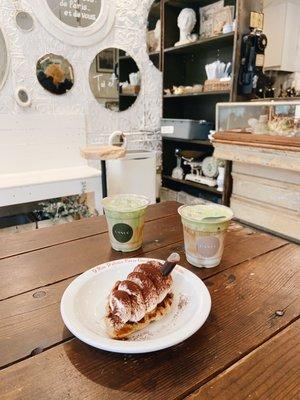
column 247, row 349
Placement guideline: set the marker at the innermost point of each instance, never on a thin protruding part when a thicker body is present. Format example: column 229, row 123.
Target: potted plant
column 63, row 210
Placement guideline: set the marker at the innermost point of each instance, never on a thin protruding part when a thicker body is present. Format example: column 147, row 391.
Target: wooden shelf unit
column 212, row 93
column 153, row 16
column 194, row 184
column 185, row 65
column 201, row 44
column 152, row 54
column 190, row 141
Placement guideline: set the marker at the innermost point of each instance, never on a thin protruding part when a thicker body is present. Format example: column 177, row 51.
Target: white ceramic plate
column 84, row 301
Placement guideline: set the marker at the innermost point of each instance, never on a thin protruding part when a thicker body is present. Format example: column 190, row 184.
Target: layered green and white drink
column 204, row 228
column 125, row 214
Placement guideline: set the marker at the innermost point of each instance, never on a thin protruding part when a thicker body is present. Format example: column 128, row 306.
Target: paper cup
column 204, row 239
column 125, row 215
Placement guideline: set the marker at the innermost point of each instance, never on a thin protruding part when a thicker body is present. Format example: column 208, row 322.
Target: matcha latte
column 204, row 228
column 125, row 214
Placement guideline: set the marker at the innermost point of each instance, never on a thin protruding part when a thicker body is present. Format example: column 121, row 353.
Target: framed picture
column 222, row 17
column 206, row 18
column 106, row 60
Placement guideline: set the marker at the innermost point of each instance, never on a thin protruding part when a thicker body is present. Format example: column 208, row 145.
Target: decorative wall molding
column 6, row 57
column 128, row 32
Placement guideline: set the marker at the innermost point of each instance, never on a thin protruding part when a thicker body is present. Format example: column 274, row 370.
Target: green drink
column 125, row 215
column 204, row 229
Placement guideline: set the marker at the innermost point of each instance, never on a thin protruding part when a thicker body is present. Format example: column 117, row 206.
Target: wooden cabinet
column 185, row 65
column 282, row 27
column 266, row 180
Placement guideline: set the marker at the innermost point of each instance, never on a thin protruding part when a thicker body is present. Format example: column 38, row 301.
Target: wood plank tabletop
column 249, row 347
column 41, row 238
column 271, row 371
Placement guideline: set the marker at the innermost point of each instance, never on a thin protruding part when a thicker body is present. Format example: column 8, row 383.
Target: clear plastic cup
column 125, row 215
column 204, row 238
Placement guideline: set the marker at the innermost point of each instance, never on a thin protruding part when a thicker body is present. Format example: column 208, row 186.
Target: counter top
column 266, row 150
column 263, row 141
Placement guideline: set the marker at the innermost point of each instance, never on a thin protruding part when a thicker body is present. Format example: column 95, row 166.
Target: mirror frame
column 139, row 69
column 21, row 103
column 18, row 26
column 70, row 65
column 76, row 36
column 8, row 61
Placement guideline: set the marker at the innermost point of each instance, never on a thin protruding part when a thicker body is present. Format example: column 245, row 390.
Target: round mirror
column 154, row 33
column 77, row 22
column 24, row 21
column 22, row 97
column 115, row 79
column 55, row 73
column 76, row 13
column 3, row 60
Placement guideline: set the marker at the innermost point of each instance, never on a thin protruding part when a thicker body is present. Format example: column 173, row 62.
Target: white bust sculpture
column 157, row 35
column 186, row 22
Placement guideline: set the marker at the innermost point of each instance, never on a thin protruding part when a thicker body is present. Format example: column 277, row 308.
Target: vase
column 220, row 179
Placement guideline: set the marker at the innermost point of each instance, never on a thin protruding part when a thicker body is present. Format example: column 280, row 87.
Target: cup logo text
column 122, row 232
column 208, row 246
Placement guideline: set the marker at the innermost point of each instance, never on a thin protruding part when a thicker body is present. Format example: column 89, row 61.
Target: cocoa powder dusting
column 142, row 336
column 183, row 301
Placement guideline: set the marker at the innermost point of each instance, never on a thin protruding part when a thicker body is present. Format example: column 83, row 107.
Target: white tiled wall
column 128, row 33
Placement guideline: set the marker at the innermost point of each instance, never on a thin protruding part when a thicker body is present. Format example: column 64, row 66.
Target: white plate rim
column 134, row 347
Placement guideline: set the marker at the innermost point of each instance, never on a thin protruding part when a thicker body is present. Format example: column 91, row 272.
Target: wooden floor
column 249, row 348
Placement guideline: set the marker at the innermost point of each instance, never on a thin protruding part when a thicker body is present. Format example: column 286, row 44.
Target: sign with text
column 76, row 13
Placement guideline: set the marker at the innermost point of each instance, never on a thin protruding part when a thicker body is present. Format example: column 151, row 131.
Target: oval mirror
column 55, row 73
column 3, row 60
column 24, row 21
column 76, row 13
column 154, row 33
column 115, row 79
